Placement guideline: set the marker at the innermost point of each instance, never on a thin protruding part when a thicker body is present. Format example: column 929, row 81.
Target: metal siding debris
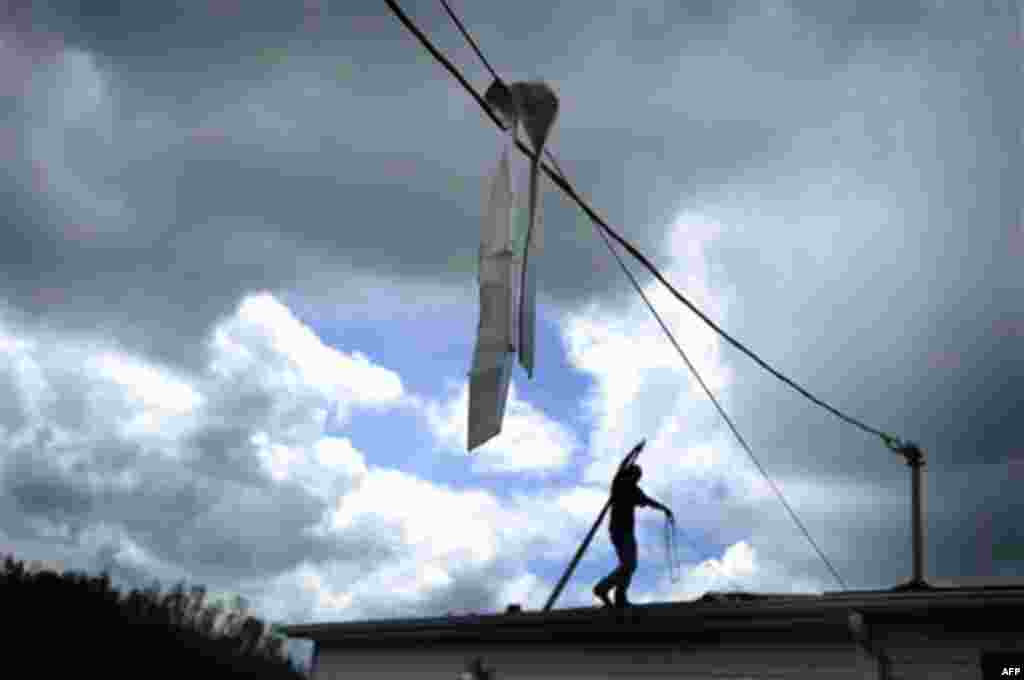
column 528, row 299
column 507, row 310
column 496, row 331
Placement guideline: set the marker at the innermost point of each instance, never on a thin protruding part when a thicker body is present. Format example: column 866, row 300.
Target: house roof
column 711, row 616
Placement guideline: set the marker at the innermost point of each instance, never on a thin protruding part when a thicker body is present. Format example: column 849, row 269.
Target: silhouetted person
column 626, row 495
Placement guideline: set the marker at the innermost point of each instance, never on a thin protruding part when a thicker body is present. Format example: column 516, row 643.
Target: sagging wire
column 601, row 227
column 559, row 179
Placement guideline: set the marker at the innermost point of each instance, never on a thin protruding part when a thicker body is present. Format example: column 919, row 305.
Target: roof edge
column 714, row 615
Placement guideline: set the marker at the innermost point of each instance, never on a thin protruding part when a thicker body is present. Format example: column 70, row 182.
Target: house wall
column 746, row 661
column 930, row 644
column 926, row 651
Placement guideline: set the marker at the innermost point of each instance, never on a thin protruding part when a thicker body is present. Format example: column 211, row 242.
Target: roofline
column 762, row 613
column 599, row 627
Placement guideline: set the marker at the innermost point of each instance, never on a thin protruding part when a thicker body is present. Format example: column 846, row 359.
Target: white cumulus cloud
column 530, row 441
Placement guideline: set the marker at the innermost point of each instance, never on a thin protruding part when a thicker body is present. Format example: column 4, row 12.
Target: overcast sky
column 238, row 296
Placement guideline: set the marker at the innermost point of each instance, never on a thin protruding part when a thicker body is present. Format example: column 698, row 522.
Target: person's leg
column 627, row 559
column 604, row 585
column 613, row 579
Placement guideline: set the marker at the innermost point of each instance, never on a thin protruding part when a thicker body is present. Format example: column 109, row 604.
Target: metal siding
column 488, row 394
column 528, row 292
column 836, row 662
column 930, row 652
column 496, row 226
column 496, row 330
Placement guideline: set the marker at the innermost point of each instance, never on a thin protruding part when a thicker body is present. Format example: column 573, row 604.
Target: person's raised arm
column 650, row 502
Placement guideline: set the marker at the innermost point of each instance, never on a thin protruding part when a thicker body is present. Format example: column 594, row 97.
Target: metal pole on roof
column 628, row 460
column 915, row 459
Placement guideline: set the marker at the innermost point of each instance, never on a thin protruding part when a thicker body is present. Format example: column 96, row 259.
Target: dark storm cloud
column 226, row 452
column 354, row 201
column 218, row 527
column 46, row 493
column 12, row 407
column 862, row 156
column 42, row 488
column 359, row 199
column 267, row 542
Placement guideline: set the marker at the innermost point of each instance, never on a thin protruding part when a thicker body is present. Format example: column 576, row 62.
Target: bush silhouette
column 89, row 628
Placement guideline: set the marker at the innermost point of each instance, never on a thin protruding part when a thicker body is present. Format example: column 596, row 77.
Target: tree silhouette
column 173, row 631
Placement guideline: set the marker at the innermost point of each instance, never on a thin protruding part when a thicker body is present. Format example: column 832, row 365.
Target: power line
column 889, row 440
column 469, row 39
column 479, row 53
column 725, row 416
column 679, row 349
column 693, row 369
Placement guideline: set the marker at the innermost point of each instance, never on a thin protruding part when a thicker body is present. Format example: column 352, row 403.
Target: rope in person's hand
column 671, row 552
column 671, row 549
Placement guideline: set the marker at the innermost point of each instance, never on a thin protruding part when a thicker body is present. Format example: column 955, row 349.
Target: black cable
column 682, row 353
column 889, row 440
column 718, row 406
column 470, row 40
column 425, row 41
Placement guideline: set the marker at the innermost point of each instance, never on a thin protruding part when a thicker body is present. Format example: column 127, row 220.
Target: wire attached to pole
column 891, row 442
column 696, row 374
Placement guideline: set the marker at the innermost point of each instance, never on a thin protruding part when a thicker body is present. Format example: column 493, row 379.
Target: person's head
column 633, row 472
